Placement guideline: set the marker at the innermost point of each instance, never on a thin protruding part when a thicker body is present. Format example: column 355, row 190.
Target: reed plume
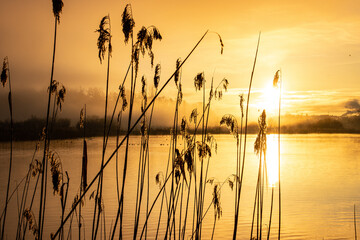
column 31, row 221
column 56, row 171
column 104, row 37
column 144, row 43
column 157, row 75
column 231, row 123
column 4, row 72
column 223, row 85
column 127, row 22
column 178, row 71
column 199, row 81
column 57, row 8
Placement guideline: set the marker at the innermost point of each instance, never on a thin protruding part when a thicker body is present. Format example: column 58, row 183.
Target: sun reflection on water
column 272, row 161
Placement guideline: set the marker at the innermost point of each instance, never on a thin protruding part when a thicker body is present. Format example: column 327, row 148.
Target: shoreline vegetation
column 29, row 129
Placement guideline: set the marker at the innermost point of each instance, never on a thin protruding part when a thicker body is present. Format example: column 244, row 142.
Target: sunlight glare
column 272, row 160
column 270, row 98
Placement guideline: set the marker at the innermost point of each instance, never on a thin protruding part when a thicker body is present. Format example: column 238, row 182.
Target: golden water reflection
column 272, row 160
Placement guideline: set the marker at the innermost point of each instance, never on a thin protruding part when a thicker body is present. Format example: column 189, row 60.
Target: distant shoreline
column 31, row 129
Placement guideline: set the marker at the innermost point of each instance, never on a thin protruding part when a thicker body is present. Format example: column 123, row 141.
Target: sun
column 270, row 98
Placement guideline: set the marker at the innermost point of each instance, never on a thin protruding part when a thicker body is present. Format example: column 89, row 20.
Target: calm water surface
column 319, row 176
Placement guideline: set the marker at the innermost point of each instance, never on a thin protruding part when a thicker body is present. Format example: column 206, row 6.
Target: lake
column 319, row 181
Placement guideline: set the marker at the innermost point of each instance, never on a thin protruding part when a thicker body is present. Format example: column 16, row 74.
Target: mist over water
column 319, row 177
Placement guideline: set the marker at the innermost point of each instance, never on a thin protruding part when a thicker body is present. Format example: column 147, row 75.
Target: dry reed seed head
column 262, row 122
column 260, row 141
column 35, row 167
column 143, row 128
column 177, row 176
column 211, row 93
column 210, row 139
column 242, row 104
column 158, row 180
column 216, row 201
column 178, row 158
column 145, row 40
column 188, row 157
column 124, row 104
column 143, row 86
column 276, row 79
column 199, row 81
column 223, row 85
column 76, row 199
column 57, row 8
column 236, row 178
column 136, row 58
column 157, row 75
column 183, row 127
column 143, row 103
column 53, row 87
column 151, row 55
column 84, row 166
column 203, row 150
column 92, row 195
column 61, row 97
column 177, row 73
column 179, row 163
column 231, row 123
column 211, row 181
column 188, row 139
column 104, row 37
column 221, row 44
column 156, row 33
column 127, row 22
column 81, row 122
column 30, row 218
column 193, row 115
column 180, row 94
column 123, row 97
column 56, row 171
column 4, row 74
column 231, row 184
column 142, row 39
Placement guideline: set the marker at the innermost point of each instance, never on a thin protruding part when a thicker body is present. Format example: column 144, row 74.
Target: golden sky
column 315, row 43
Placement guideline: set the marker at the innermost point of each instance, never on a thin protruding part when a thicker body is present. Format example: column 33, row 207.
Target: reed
column 83, row 179
column 5, row 76
column 355, row 222
column 104, row 45
column 245, row 130
column 57, row 9
column 277, row 82
column 260, row 147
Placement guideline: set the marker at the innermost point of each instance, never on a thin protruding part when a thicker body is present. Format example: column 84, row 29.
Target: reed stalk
column 83, row 179
column 57, row 9
column 104, row 38
column 5, row 75
column 355, row 222
column 279, row 134
column 245, row 133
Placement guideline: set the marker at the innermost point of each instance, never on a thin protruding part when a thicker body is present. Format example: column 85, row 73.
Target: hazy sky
column 315, row 43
